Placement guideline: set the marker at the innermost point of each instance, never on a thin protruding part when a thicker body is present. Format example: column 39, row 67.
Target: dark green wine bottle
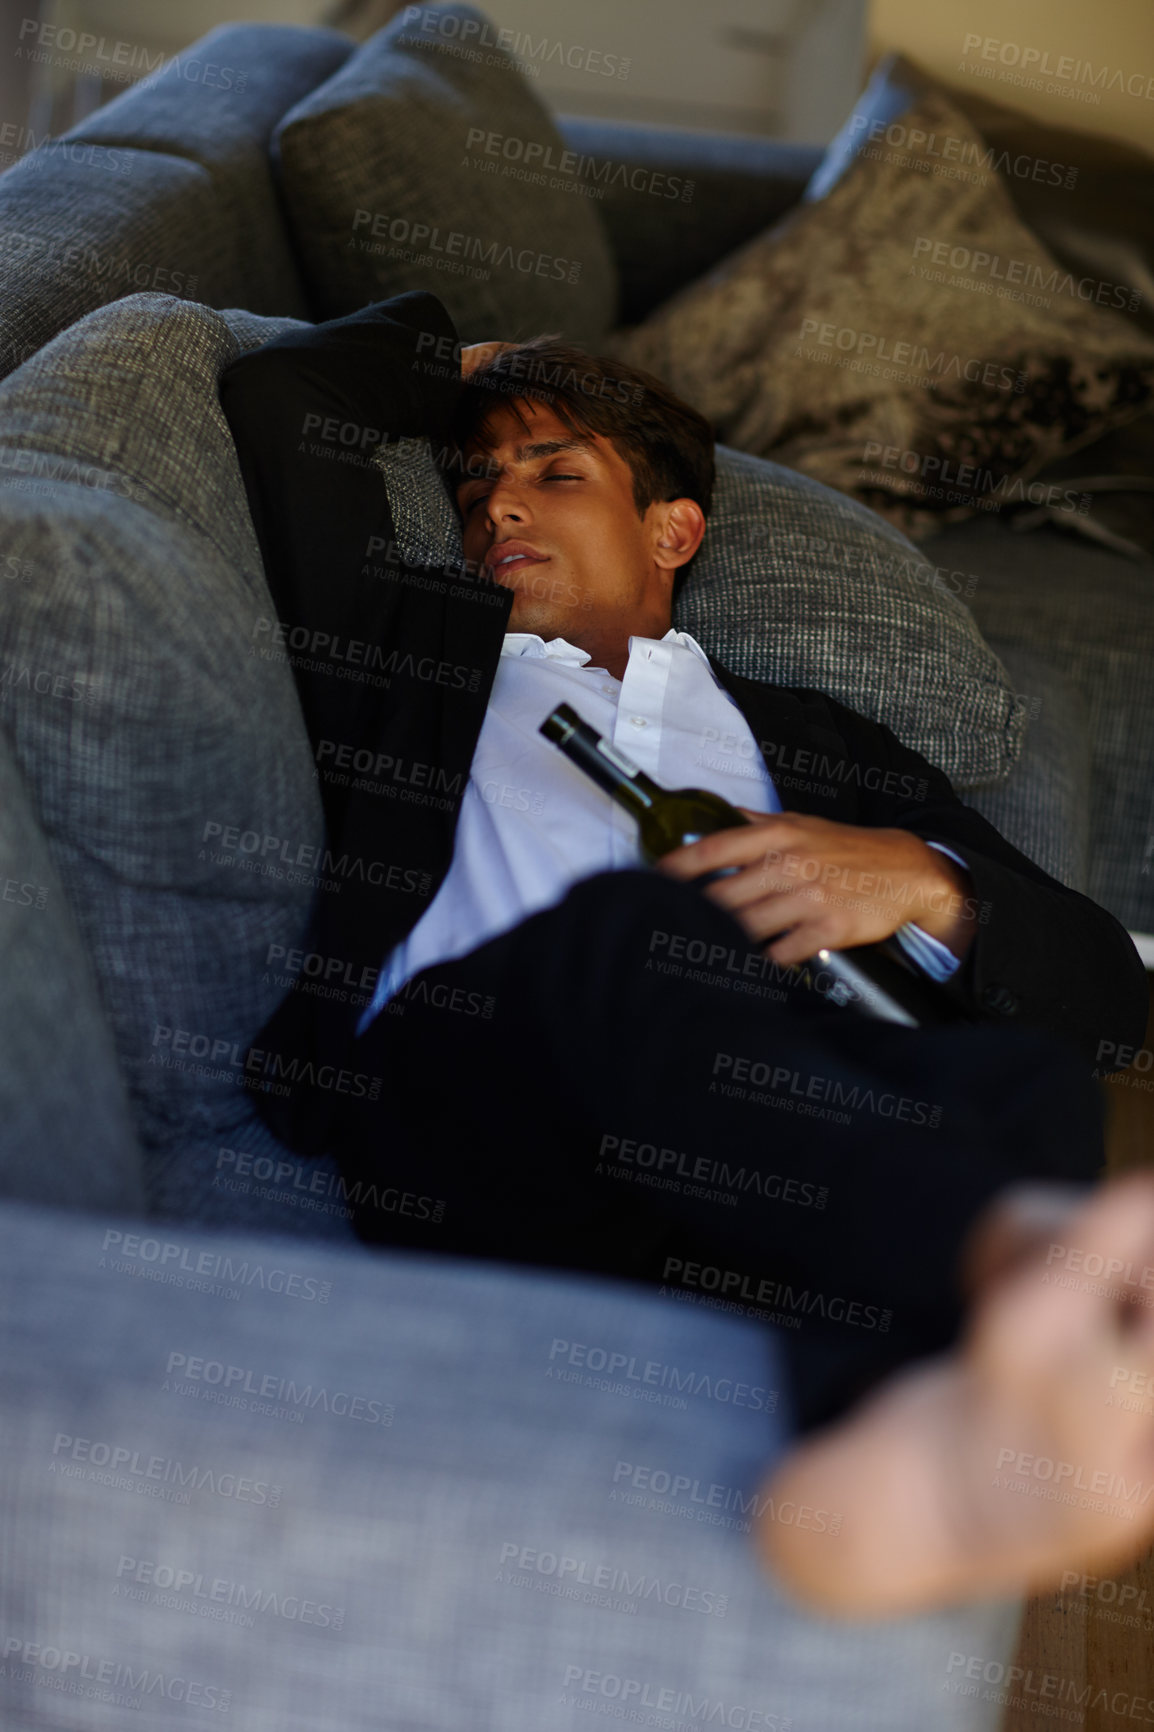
column 667, row 818
column 877, row 978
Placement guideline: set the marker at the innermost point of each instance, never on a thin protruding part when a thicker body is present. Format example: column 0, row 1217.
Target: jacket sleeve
column 1042, row 954
column 306, row 412
column 389, row 659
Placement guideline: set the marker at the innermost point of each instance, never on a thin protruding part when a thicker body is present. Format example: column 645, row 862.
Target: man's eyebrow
column 547, row 447
column 538, row 448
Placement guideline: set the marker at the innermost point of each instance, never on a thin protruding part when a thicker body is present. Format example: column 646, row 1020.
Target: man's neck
column 611, row 649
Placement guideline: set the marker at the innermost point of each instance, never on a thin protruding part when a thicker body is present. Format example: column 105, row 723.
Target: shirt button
column 639, row 721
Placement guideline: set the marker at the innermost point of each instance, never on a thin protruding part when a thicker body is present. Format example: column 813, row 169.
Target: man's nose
column 505, row 503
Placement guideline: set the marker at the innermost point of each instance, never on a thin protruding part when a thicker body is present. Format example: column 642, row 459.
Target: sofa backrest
column 167, row 756
column 66, row 1132
column 167, row 188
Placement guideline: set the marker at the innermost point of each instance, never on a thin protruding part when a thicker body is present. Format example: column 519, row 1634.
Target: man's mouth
column 511, row 556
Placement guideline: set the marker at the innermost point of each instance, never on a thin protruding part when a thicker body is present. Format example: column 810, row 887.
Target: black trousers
column 623, row 1085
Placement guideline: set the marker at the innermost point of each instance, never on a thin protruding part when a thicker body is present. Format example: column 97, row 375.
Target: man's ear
column 680, row 532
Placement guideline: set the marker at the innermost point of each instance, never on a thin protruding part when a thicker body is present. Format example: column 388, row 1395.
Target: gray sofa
column 179, row 1340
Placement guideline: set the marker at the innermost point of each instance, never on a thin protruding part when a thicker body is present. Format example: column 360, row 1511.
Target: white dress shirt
column 532, row 823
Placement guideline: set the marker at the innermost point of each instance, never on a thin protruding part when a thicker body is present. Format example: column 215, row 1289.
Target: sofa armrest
column 401, row 1490
column 676, row 201
column 1044, row 806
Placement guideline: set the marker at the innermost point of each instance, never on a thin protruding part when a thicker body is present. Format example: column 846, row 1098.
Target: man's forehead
column 484, row 459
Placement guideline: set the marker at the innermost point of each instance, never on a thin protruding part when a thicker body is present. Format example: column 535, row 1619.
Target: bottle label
column 617, row 759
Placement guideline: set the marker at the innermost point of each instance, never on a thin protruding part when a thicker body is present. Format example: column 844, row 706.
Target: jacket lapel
column 802, row 750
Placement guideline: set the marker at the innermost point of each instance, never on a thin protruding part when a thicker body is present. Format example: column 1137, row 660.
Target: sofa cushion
column 674, row 201
column 66, row 1132
column 1043, row 807
column 1087, row 610
column 796, row 584
column 166, row 755
column 84, row 223
column 901, row 334
column 216, row 104
column 1085, row 194
column 422, row 164
column 470, row 1526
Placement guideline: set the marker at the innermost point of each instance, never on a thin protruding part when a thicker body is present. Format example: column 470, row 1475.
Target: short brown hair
column 667, row 444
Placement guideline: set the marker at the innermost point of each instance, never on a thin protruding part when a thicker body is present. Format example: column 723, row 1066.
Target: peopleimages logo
column 540, row 162
column 713, row 1503
column 170, row 1256
column 651, row 1378
column 610, row 1579
column 467, row 35
column 736, row 1284
column 702, row 1170
column 129, row 1469
column 207, row 1595
column 241, row 1380
column 1026, row 272
column 70, row 1672
column 630, row 1694
column 1040, row 63
column 455, row 246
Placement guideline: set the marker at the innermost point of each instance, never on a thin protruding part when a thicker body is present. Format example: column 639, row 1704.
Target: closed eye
column 482, row 496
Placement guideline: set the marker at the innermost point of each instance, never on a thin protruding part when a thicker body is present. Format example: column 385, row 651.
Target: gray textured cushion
column 1087, row 611
column 66, row 1133
column 797, row 584
column 80, row 226
column 121, row 491
column 216, row 104
column 501, row 1441
column 686, row 199
column 1043, row 808
column 392, row 145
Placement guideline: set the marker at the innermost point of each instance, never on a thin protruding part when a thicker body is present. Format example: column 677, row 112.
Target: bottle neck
column 602, row 762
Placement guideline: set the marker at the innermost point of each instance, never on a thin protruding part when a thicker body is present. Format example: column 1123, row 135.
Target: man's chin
column 530, row 615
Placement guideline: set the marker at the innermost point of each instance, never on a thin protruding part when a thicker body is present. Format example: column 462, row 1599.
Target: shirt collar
column 528, row 643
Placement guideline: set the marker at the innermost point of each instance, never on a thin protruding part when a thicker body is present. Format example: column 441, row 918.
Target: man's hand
column 475, row 355
column 826, row 885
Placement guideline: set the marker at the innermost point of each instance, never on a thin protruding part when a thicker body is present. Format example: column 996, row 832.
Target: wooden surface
column 1104, row 1636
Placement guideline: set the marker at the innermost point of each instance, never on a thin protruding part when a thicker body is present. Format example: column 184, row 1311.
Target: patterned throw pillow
column 901, row 335
column 427, row 163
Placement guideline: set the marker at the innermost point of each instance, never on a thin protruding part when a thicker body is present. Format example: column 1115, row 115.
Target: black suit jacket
column 394, row 665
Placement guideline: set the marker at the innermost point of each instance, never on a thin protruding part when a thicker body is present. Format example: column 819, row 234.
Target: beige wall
column 1112, row 39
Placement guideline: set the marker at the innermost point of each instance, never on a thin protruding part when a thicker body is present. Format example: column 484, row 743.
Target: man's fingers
column 799, row 944
column 475, row 355
column 743, row 845
column 751, row 884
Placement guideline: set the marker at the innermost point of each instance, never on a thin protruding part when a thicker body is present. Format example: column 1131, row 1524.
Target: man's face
column 550, row 513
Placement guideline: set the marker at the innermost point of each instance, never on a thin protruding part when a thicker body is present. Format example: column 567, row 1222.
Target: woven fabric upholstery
column 1043, row 806
column 796, row 584
column 385, row 184
column 1086, row 611
column 684, row 200
column 83, row 224
column 122, row 495
column 244, row 1180
column 434, row 1540
column 66, row 1133
column 216, row 104
column 427, row 526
